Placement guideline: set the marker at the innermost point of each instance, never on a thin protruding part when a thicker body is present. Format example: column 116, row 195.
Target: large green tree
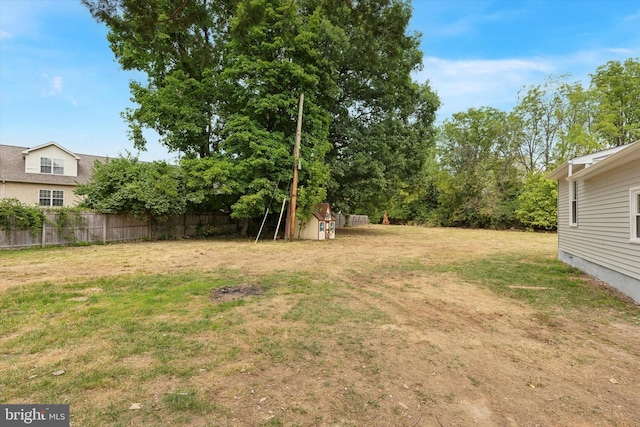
column 223, row 80
column 538, row 203
column 179, row 46
column 382, row 165
column 576, row 135
column 617, row 91
column 382, row 126
column 539, row 116
column 479, row 181
column 276, row 53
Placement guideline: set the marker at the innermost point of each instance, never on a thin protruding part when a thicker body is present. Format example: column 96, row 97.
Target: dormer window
column 52, row 166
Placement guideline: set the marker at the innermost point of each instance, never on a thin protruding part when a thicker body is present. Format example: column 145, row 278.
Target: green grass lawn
column 164, row 342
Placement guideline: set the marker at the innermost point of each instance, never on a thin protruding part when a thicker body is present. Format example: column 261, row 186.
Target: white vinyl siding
column 51, row 160
column 603, row 235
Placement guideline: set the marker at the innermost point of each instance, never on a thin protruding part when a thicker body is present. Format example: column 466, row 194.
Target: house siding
column 29, row 193
column 308, row 230
column 32, row 160
column 602, row 236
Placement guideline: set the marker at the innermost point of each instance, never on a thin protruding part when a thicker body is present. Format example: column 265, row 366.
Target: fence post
column 44, row 232
column 104, row 228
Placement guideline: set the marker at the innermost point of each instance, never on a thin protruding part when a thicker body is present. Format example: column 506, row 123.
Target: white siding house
column 599, row 216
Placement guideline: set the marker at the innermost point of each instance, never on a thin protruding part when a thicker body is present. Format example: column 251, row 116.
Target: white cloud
column 4, row 35
column 462, row 84
column 620, row 51
column 53, row 85
column 56, row 85
column 465, row 20
column 473, row 83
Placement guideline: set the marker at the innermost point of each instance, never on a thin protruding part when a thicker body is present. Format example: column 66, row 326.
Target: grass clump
column 541, row 281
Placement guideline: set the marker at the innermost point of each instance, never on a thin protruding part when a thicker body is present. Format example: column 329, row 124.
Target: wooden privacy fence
column 102, row 228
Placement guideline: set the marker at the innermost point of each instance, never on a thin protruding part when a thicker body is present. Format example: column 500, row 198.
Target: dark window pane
column 44, row 197
column 45, row 165
column 58, row 166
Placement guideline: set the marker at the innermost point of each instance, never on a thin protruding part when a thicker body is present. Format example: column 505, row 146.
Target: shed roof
column 321, row 211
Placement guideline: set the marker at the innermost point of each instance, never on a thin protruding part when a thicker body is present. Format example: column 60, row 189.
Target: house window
column 634, row 204
column 49, row 165
column 51, row 198
column 573, row 197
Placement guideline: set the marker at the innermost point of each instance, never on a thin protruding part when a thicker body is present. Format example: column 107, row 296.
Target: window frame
column 634, row 215
column 51, row 166
column 58, row 164
column 46, row 162
column 53, row 198
column 573, row 203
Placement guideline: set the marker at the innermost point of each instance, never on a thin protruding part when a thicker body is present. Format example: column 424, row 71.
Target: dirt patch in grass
column 385, row 326
column 233, row 293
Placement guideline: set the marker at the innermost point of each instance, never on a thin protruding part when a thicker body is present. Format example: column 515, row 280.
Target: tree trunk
column 245, row 228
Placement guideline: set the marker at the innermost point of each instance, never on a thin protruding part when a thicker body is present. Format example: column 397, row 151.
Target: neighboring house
column 321, row 225
column 599, row 216
column 45, row 175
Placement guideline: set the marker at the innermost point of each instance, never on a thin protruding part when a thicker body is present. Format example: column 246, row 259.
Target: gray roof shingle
column 12, row 168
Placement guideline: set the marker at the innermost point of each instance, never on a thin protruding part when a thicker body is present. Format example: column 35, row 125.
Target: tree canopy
column 616, row 87
column 223, row 81
column 144, row 190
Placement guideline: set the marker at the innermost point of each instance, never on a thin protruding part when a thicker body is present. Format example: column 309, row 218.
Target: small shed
column 321, row 225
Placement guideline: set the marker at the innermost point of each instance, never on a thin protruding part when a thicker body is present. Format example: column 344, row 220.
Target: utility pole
column 294, row 185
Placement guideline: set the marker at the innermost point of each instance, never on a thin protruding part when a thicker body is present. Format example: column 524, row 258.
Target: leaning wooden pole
column 294, row 184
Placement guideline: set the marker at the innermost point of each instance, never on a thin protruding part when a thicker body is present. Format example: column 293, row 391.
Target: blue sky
column 59, row 80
